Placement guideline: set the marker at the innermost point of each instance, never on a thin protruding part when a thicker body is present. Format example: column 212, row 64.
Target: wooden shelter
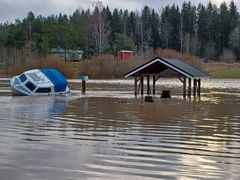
column 166, row 67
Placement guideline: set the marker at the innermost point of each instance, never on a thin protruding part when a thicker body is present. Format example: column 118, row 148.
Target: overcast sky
column 14, row 9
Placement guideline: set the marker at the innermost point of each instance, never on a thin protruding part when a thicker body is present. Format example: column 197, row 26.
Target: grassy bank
column 109, row 67
column 222, row 70
column 232, row 73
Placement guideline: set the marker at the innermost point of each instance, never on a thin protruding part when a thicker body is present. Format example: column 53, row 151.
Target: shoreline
column 215, row 70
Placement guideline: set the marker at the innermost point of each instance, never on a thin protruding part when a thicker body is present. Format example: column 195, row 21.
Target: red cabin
column 125, row 55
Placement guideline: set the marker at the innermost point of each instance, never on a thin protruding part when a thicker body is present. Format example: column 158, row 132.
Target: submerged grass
column 232, row 73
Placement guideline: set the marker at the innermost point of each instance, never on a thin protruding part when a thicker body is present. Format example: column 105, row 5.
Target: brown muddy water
column 110, row 134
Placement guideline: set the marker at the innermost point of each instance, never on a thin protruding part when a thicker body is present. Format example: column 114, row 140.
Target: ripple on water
column 112, row 135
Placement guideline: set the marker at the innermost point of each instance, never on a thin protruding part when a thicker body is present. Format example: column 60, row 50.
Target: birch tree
column 99, row 28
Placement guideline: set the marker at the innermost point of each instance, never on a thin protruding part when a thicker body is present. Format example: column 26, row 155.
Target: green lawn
column 227, row 73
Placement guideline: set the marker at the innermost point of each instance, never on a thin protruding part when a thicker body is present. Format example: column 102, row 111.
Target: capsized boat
column 38, row 82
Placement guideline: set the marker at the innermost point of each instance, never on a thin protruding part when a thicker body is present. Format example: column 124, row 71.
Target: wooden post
column 154, row 85
column 189, row 87
column 184, row 86
column 84, row 78
column 83, row 86
column 148, row 85
column 135, row 85
column 194, row 87
column 199, row 88
column 142, row 85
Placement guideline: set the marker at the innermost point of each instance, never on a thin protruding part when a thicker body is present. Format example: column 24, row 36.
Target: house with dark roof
column 167, row 67
column 70, row 55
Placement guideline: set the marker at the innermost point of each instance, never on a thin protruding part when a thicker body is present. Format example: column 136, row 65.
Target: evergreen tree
column 188, row 26
column 131, row 24
column 155, row 35
column 225, row 26
column 79, row 21
column 146, row 27
column 205, row 31
column 122, row 41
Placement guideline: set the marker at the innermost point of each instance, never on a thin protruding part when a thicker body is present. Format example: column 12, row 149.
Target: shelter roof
column 159, row 64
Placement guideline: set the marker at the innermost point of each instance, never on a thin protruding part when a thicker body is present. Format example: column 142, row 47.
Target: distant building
column 124, row 55
column 71, row 55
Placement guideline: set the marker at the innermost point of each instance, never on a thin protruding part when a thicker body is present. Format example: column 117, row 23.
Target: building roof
column 60, row 50
column 126, row 51
column 159, row 64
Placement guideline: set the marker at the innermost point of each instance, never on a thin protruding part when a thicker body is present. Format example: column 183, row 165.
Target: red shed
column 124, row 55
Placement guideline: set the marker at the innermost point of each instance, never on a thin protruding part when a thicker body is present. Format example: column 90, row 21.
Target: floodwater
column 109, row 134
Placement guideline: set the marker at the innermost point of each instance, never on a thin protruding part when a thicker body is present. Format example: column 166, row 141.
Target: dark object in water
column 166, row 94
column 148, row 99
column 122, row 102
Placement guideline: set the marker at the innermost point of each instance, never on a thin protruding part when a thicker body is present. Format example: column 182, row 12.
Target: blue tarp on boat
column 59, row 81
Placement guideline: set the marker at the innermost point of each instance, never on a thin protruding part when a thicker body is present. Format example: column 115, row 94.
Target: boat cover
column 59, row 81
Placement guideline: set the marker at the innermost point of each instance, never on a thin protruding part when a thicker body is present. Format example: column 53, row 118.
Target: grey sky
column 14, row 9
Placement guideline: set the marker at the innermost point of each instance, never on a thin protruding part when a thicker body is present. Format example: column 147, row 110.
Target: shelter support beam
column 148, row 85
column 199, row 88
column 154, row 85
column 189, row 87
column 194, row 87
column 142, row 85
column 135, row 86
column 184, row 86
column 184, row 81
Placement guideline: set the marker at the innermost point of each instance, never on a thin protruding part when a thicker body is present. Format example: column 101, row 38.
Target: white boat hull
column 36, row 83
column 16, row 92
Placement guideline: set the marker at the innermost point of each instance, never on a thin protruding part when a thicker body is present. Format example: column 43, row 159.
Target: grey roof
column 61, row 50
column 159, row 64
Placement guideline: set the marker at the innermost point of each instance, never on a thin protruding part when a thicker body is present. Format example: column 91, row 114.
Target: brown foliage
column 169, row 53
column 49, row 62
column 107, row 66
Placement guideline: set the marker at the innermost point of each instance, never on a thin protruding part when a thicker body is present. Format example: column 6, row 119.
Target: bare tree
column 166, row 31
column 181, row 34
column 228, row 56
column 195, row 45
column 186, row 42
column 234, row 38
column 99, row 27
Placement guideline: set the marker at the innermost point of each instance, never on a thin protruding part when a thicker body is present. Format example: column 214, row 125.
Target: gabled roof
column 158, row 65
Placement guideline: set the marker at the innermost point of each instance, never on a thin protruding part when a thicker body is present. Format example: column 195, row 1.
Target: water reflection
column 36, row 107
column 108, row 134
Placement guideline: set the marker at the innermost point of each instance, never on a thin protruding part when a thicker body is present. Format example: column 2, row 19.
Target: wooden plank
column 157, row 78
column 194, row 87
column 139, row 87
column 83, row 87
column 184, row 87
column 199, row 88
column 135, row 85
column 142, row 85
column 148, row 85
column 154, row 85
column 189, row 87
column 181, row 79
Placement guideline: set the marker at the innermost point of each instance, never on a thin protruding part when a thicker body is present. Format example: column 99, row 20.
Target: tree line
column 207, row 31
